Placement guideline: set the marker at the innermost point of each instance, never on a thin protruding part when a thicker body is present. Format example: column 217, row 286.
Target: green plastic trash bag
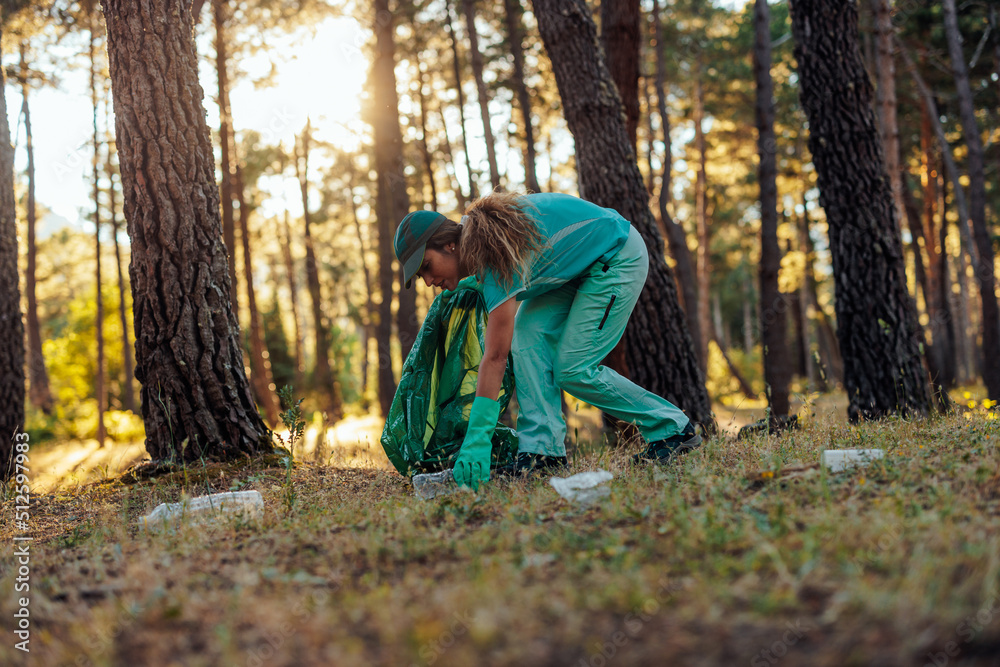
column 430, row 411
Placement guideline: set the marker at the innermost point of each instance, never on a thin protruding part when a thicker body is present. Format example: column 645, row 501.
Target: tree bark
column 773, row 306
column 660, row 354
column 11, row 324
column 620, row 39
column 196, row 400
column 99, row 380
column 876, row 319
column 392, row 202
column 322, row 375
column 512, row 15
column 38, row 378
column 977, row 206
column 476, row 59
column 225, row 161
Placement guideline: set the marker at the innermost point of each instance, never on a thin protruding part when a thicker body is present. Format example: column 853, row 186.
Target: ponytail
column 501, row 236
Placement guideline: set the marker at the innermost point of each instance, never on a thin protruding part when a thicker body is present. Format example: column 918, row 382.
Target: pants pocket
column 606, row 312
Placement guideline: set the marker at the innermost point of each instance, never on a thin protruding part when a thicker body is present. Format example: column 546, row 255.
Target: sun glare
column 319, row 76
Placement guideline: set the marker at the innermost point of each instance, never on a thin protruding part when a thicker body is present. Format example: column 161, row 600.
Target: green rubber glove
column 473, row 463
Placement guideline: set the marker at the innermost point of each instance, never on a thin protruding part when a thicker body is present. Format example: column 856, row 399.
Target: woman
column 577, row 269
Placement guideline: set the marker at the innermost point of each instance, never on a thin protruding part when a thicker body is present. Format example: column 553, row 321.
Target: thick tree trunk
column 620, row 39
column 512, row 15
column 99, row 380
column 457, row 70
column 11, row 324
column 219, row 9
column 323, row 379
column 38, row 377
column 476, row 59
column 660, row 353
column 196, row 400
column 876, row 319
column 293, row 290
column 773, row 306
column 392, row 202
column 260, row 366
column 701, row 220
column 977, row 206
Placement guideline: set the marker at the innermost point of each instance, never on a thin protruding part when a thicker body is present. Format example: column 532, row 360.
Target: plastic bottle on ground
column 205, row 508
column 433, row 484
column 583, row 488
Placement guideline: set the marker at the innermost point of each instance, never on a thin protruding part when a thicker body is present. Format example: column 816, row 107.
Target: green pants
column 560, row 339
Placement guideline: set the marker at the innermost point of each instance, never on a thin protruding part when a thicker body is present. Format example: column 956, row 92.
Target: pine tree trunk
column 512, row 14
column 686, row 275
column 450, row 154
column 322, row 375
column 99, row 380
column 260, row 366
column 620, row 39
column 38, row 378
column 225, row 161
column 293, row 290
column 476, row 58
column 701, row 220
column 392, row 202
column 885, row 69
column 424, row 148
column 457, row 69
column 369, row 301
column 977, row 206
column 773, row 306
column 128, row 392
column 660, row 353
column 876, row 319
column 11, row 324
column 196, row 400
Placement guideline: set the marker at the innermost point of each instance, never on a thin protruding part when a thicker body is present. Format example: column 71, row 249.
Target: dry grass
column 695, row 564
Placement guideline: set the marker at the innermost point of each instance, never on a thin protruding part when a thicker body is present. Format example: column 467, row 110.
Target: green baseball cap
column 411, row 240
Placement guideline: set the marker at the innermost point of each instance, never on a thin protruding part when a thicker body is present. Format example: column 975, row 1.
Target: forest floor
column 741, row 553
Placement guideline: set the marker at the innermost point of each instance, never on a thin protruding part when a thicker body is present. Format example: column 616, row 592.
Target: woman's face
column 440, row 268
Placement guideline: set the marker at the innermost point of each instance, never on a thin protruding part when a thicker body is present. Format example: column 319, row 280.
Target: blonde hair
column 499, row 234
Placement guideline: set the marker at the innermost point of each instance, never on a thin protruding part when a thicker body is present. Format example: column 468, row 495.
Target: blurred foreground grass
column 692, row 564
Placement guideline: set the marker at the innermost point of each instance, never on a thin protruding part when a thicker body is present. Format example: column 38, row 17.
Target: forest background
column 289, row 94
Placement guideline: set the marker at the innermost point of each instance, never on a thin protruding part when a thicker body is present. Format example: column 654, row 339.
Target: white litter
column 433, row 484
column 584, row 488
column 836, row 460
column 205, row 508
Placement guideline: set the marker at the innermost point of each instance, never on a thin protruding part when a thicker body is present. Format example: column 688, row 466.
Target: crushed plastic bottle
column 584, row 488
column 205, row 508
column 836, row 460
column 433, row 484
